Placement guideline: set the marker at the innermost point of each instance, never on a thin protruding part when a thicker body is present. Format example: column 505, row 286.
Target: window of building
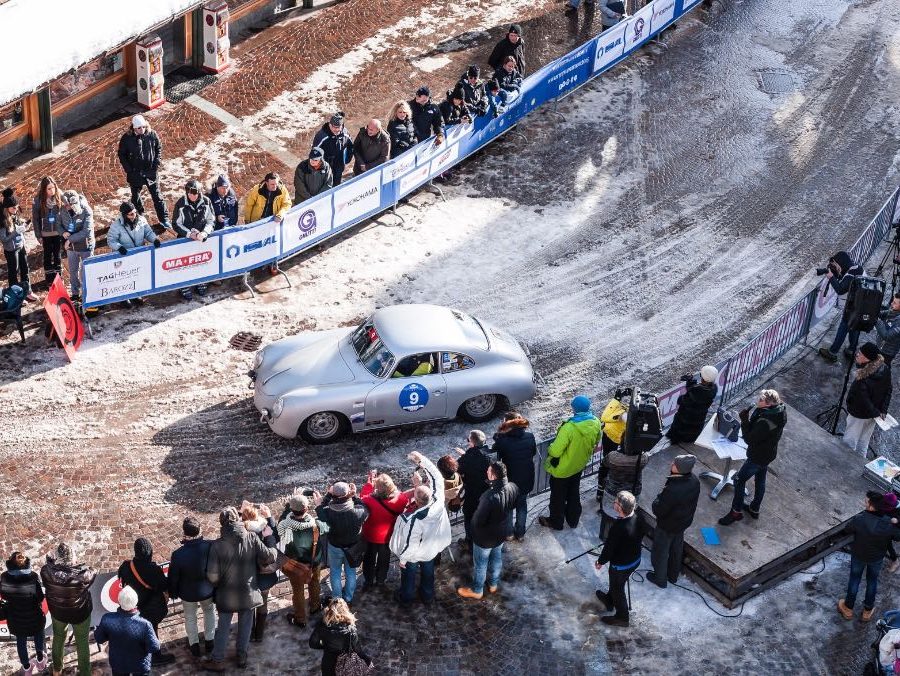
column 12, row 115
column 87, row 76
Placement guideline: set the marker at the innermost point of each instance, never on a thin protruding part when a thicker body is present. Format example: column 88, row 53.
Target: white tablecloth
column 711, row 439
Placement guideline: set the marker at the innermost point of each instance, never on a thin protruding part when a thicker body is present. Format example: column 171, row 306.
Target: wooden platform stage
column 813, row 488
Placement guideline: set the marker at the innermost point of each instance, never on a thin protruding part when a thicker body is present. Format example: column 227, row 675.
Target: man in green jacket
column 567, row 456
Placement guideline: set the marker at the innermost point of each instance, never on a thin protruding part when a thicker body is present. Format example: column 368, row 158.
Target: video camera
column 622, row 392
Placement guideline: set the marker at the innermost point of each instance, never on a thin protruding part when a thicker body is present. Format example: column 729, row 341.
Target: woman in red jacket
column 385, row 502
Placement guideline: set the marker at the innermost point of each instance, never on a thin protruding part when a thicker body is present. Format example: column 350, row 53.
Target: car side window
column 455, row 361
column 421, row 364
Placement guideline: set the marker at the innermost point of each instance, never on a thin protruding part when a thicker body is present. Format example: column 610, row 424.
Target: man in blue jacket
column 132, row 640
column 187, row 581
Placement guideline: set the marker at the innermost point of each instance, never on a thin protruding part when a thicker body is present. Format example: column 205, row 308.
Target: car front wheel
column 479, row 408
column 323, row 428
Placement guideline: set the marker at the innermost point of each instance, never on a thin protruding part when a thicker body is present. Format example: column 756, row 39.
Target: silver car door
column 402, row 400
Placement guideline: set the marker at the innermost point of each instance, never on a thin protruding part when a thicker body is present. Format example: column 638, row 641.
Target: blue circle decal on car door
column 413, row 397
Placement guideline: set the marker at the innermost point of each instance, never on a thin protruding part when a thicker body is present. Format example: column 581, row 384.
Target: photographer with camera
column 840, row 271
column 612, row 424
column 888, row 329
column 693, row 406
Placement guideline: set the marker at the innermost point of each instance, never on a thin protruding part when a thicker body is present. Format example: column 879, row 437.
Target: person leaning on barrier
column 761, row 427
column 693, row 406
column 76, row 225
column 840, row 272
column 509, row 79
column 371, row 147
column 472, row 89
column 868, row 398
column 426, row 116
column 674, row 510
column 336, row 144
column 312, row 176
column 513, row 45
column 224, row 203
column 194, row 219
column 129, row 231
column 268, row 198
column 454, row 109
column 401, row 129
column 888, row 329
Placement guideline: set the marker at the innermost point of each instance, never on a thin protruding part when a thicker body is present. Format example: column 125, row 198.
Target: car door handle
column 438, row 392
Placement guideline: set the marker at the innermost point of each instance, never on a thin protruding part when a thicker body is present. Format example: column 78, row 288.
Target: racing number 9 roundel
column 413, row 397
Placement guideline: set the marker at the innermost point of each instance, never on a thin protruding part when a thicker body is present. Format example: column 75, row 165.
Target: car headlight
column 278, row 408
column 258, row 360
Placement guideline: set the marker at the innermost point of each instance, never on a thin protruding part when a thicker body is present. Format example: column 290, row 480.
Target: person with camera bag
column 693, row 406
column 841, row 271
column 867, row 399
column 761, row 427
column 304, row 552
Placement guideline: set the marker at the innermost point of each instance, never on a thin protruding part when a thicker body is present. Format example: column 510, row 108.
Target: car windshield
column 371, row 351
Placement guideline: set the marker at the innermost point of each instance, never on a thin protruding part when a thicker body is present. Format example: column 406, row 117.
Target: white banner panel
column 248, row 247
column 610, row 46
column 186, row 261
column 426, row 152
column 413, row 179
column 117, row 276
column 637, row 30
column 358, row 198
column 398, row 167
column 308, row 222
column 457, row 131
column 663, row 12
column 688, row 4
column 445, row 158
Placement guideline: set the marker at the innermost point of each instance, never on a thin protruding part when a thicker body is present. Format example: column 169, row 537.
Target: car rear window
column 370, row 350
column 471, row 329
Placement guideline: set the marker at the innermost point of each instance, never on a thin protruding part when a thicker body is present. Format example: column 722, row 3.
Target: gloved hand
column 156, row 243
column 554, row 462
column 122, row 250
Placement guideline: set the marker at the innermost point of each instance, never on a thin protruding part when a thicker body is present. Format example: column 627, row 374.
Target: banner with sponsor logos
column 229, row 252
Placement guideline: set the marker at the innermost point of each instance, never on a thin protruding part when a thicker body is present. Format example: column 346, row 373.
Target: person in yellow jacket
column 269, row 198
column 612, row 421
column 567, row 456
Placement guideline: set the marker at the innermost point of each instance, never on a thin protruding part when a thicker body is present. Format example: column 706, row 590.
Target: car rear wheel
column 324, row 427
column 479, row 408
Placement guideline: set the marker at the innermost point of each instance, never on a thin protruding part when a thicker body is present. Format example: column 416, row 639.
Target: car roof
column 407, row 329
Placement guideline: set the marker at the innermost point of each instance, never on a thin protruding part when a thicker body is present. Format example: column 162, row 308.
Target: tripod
column 893, row 255
column 829, row 418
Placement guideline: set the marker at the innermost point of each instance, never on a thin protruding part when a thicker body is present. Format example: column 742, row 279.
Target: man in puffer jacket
column 76, row 225
column 68, row 589
column 194, row 219
column 22, row 595
column 371, row 147
column 490, row 527
column 131, row 638
column 421, row 534
column 868, row 398
column 129, row 231
column 312, row 176
column 888, row 328
column 567, row 456
column 472, row 89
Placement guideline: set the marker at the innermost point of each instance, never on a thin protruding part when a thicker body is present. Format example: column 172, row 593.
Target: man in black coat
column 622, row 551
column 426, row 116
column 693, row 406
column 336, row 145
column 867, row 399
column 490, row 527
column 140, row 153
column 511, row 45
column 842, row 270
column 312, row 176
column 515, row 447
column 674, row 509
column 187, row 581
column 473, row 468
column 473, row 92
column 761, row 427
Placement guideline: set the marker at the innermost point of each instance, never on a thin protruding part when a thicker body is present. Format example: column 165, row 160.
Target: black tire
column 324, row 427
column 479, row 408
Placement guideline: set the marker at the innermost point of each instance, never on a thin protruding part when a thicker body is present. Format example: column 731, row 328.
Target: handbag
column 728, row 424
column 353, row 664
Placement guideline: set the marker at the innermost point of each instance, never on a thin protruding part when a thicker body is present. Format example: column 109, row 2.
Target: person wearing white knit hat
column 140, row 154
column 132, row 641
column 693, row 406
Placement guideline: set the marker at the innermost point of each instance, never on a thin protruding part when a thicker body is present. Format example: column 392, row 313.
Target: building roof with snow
column 41, row 40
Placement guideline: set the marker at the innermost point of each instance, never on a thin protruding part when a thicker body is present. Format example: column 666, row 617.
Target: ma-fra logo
column 181, row 262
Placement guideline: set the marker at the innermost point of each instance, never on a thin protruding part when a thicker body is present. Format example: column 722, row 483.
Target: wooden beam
column 130, row 64
column 188, row 20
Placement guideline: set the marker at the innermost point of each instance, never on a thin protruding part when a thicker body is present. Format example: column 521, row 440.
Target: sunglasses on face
column 193, row 191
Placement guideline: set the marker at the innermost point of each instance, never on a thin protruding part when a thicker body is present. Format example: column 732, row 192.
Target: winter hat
column 18, row 561
column 340, row 490
column 63, row 554
column 515, row 28
column 223, row 181
column 298, row 503
column 890, row 501
column 317, row 154
column 138, row 121
column 457, row 93
column 493, row 85
column 709, row 373
column 126, row 208
column 581, row 404
column 337, row 119
column 229, row 515
column 190, row 527
column 9, row 198
column 193, row 184
column 128, row 599
column 71, row 198
column 423, row 91
column 143, row 549
column 869, row 351
column 684, row 463
column 473, row 71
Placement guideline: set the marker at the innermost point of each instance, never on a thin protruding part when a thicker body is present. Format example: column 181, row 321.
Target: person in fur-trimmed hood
column 868, row 398
column 515, row 447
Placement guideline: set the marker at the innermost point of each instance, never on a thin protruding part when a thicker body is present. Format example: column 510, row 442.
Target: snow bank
column 45, row 39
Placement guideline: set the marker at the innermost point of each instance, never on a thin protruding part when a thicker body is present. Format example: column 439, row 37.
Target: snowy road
column 653, row 222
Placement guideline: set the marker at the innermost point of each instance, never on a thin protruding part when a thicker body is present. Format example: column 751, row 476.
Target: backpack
column 12, row 298
column 728, row 424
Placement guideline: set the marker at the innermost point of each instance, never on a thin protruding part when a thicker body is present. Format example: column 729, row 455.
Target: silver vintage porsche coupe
column 404, row 364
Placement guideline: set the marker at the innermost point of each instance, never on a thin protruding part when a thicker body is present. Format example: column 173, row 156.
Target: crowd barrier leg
column 246, row 280
column 281, row 272
column 435, row 190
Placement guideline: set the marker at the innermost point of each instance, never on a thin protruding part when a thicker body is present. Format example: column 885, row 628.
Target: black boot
column 208, row 647
column 730, row 518
column 195, row 650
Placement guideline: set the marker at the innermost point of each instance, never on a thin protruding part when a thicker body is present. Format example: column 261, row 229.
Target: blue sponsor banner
column 179, row 263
